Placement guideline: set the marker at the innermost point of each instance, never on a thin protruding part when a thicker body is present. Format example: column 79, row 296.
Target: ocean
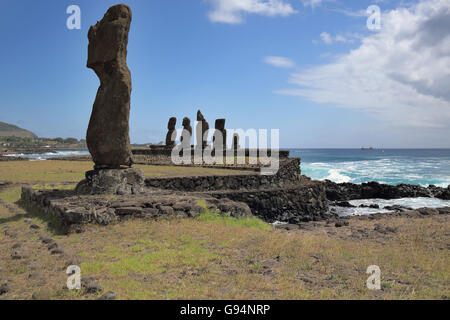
column 390, row 166
column 48, row 155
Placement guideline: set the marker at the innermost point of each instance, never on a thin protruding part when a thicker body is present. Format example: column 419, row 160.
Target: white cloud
column 232, row 11
column 280, row 62
column 351, row 13
column 314, row 3
column 326, row 38
column 329, row 39
column 401, row 74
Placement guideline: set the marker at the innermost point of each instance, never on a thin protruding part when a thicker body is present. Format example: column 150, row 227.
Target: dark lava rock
column 375, row 190
column 397, row 208
column 445, row 210
column 108, row 137
column 46, row 240
column 384, row 230
column 112, row 181
column 371, row 206
column 57, row 251
column 428, row 211
column 17, row 245
column 87, row 280
column 341, row 224
column 344, row 204
column 17, row 255
column 4, row 288
column 110, row 295
column 129, row 211
column 166, row 210
column 92, row 288
column 52, row 245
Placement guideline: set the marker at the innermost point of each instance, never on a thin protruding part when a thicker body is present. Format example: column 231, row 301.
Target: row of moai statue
column 200, row 130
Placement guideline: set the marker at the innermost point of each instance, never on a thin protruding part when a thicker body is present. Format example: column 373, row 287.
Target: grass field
column 212, row 257
column 73, row 171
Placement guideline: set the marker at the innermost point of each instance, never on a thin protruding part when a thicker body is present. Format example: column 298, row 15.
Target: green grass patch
column 148, row 257
column 47, row 186
column 217, row 217
column 11, row 195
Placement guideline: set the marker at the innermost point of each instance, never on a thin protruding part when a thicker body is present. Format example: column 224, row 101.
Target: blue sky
column 309, row 68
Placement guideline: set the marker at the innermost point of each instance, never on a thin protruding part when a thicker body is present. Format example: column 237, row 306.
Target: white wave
column 391, row 171
column 336, row 176
column 48, row 155
column 413, row 203
column 443, row 185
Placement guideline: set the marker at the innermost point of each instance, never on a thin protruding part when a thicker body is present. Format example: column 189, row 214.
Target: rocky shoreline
column 375, row 190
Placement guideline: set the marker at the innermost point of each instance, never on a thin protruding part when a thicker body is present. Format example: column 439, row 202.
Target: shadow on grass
column 15, row 218
column 54, row 224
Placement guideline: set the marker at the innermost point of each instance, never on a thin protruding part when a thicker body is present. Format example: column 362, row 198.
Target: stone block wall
column 292, row 204
column 288, row 173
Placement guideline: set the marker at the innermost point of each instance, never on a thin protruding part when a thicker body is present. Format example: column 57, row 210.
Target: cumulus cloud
column 232, row 11
column 280, row 62
column 329, row 39
column 401, row 74
column 314, row 3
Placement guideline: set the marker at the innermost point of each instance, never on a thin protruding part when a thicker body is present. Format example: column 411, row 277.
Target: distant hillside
column 9, row 130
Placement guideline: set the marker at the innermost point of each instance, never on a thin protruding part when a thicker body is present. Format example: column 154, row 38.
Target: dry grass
column 212, row 257
column 73, row 171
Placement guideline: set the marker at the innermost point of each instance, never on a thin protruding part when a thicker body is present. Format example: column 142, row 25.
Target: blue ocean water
column 391, row 166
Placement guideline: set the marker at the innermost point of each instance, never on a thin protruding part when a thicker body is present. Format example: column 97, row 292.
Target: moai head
column 200, row 116
column 186, row 122
column 172, row 123
column 108, row 36
column 220, row 124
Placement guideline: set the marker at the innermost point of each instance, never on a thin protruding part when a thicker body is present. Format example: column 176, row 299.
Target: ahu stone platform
column 73, row 211
column 286, row 196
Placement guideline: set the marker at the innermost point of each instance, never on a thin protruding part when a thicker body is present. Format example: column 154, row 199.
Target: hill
column 9, row 130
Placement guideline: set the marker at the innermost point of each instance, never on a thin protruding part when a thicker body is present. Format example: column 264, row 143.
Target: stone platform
column 286, row 196
column 73, row 211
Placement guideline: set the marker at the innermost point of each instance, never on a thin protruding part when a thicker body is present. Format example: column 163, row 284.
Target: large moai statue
column 187, row 133
column 220, row 129
column 108, row 132
column 201, row 129
column 108, row 137
column 171, row 129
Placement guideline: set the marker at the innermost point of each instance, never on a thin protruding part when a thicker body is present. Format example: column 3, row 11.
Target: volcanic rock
column 171, row 129
column 108, row 132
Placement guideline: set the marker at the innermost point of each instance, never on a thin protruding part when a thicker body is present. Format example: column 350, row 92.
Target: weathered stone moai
column 187, row 132
column 220, row 129
column 236, row 144
column 171, row 130
column 201, row 129
column 108, row 137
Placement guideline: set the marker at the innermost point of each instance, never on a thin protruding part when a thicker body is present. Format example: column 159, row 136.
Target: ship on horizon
column 367, row 148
